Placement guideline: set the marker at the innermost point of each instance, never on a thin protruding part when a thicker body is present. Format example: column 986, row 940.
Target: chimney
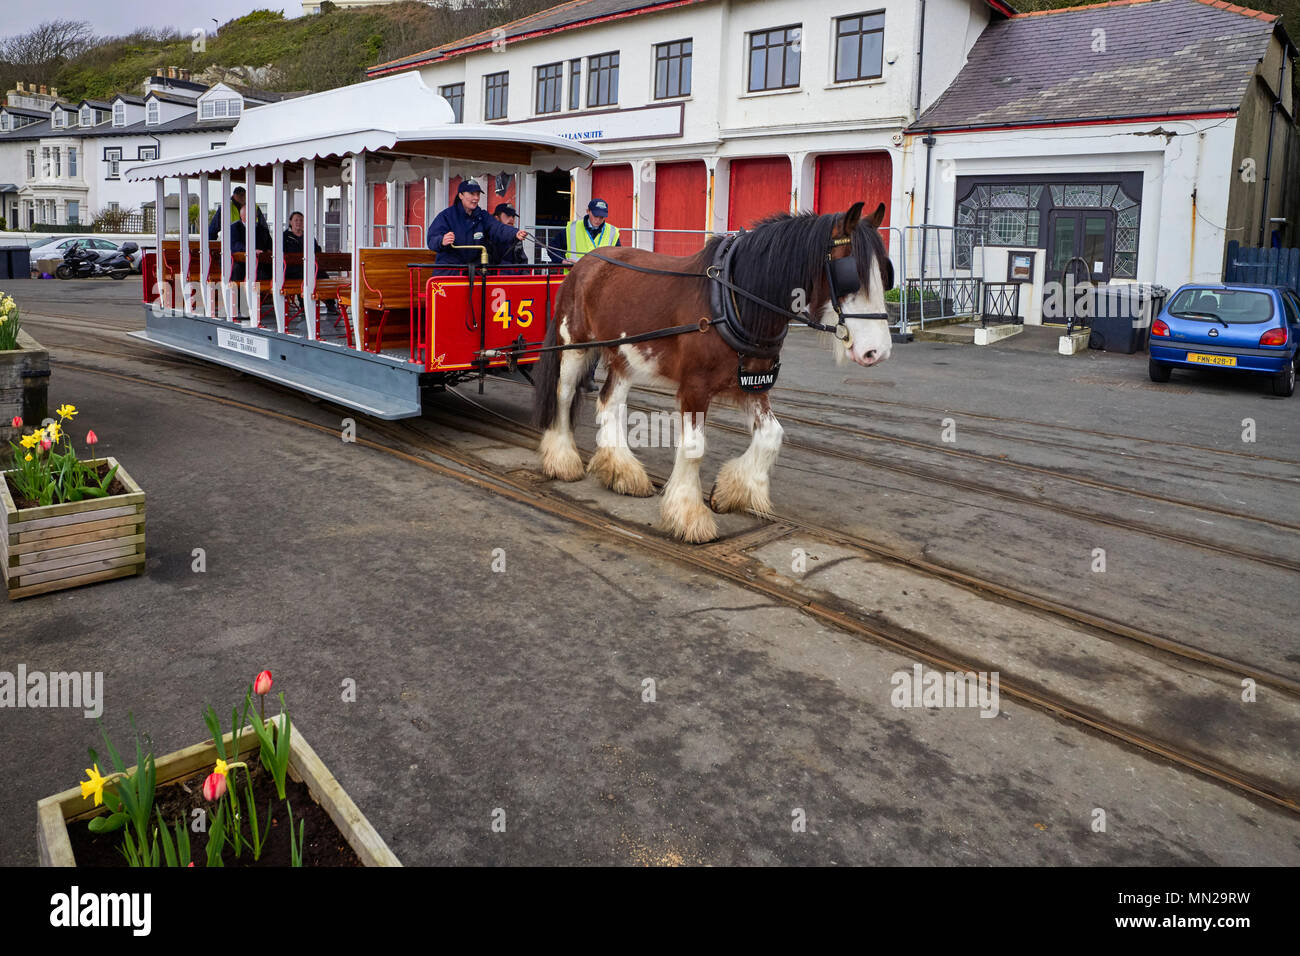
column 20, row 86
column 171, row 72
column 159, row 72
column 44, row 91
column 54, row 92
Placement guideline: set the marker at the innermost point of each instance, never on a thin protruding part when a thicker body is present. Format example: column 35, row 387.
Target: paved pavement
column 524, row 689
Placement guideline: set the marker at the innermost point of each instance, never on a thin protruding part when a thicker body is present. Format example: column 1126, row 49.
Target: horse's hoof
column 732, row 492
column 560, row 459
column 694, row 528
column 620, row 472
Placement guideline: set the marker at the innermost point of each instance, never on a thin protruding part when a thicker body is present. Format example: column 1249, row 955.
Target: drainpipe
column 929, row 142
column 1268, row 159
column 920, row 59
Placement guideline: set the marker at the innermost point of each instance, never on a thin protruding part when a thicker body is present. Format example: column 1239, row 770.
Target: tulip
column 17, row 422
column 214, row 788
column 46, row 444
column 263, row 683
column 91, row 437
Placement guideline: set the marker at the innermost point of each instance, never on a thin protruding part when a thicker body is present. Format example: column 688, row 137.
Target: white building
column 61, row 163
column 710, row 114
column 1124, row 142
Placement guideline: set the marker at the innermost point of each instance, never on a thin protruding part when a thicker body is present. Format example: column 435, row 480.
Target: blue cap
column 599, row 207
column 469, row 186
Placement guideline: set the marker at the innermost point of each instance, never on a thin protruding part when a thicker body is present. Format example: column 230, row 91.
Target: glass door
column 1082, row 242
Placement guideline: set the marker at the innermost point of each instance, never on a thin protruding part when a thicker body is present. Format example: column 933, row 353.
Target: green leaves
column 275, row 749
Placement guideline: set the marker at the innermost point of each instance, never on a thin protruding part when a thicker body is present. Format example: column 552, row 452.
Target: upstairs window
column 4, row 121
column 72, row 161
column 113, row 157
column 602, row 80
column 58, row 119
column 774, row 59
column 45, row 162
column 496, row 98
column 58, row 162
column 148, row 154
column 152, row 114
column 550, row 88
column 119, row 114
column 673, row 69
column 31, row 164
column 207, row 110
column 454, row 94
column 859, row 47
column 87, row 116
column 575, row 84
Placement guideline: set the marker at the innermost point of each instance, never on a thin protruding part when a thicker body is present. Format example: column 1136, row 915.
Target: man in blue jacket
column 463, row 223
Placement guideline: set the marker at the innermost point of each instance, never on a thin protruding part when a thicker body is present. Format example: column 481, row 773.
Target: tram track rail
column 723, row 561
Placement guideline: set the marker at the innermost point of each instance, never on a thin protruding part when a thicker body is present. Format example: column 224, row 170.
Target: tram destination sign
column 244, row 344
column 612, row 126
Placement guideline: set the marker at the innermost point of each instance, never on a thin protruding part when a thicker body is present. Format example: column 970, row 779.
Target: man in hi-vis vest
column 592, row 230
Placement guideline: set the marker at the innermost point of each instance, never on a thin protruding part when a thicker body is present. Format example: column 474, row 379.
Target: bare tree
column 38, row 54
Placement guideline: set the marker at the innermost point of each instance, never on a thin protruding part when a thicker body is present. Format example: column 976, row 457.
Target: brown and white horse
column 782, row 261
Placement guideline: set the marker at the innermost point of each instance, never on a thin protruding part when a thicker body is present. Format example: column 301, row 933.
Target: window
column 497, row 88
column 455, row 97
column 58, row 162
column 148, row 154
column 45, row 162
column 74, row 212
column 87, row 116
column 673, row 69
column 234, row 107
column 859, row 47
column 152, row 114
column 550, row 87
column 207, row 110
column 774, row 59
column 216, row 145
column 575, row 84
column 72, row 161
column 113, row 207
column 119, row 114
column 602, row 80
column 57, row 119
column 31, row 164
column 113, row 157
column 4, row 121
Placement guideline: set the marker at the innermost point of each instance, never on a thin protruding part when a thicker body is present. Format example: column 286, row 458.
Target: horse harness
column 842, row 277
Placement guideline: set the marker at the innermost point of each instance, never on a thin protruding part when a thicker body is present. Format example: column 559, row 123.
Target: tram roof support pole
column 227, row 263
column 205, row 253
column 277, row 244
column 249, row 216
column 160, row 230
column 309, row 216
column 360, row 226
column 183, row 222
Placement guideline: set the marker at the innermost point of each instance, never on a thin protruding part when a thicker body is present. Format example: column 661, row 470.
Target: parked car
column 55, row 248
column 1235, row 326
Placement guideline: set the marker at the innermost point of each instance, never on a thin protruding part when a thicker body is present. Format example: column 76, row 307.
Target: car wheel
column 63, row 272
column 1157, row 371
column 120, row 273
column 1284, row 381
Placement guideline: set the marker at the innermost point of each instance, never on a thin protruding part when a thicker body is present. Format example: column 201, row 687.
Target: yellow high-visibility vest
column 581, row 242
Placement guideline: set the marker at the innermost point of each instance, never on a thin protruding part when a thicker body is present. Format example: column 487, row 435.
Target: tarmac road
column 524, row 689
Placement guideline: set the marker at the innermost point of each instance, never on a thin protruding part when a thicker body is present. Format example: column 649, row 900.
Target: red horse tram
column 373, row 325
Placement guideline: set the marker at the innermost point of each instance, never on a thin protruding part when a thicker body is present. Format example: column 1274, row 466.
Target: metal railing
column 1001, row 301
column 941, row 273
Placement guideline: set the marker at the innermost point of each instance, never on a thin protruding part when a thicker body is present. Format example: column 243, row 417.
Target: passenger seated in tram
column 262, row 234
column 293, row 243
column 508, row 253
column 463, row 223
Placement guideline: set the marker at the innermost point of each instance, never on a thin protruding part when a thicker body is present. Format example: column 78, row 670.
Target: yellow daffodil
column 94, row 785
column 53, row 431
column 222, row 767
column 30, row 441
column 28, row 457
column 66, row 411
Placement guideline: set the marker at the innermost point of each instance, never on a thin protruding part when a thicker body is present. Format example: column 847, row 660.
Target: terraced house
column 62, row 162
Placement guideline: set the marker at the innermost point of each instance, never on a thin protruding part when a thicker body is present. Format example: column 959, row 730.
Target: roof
column 189, row 123
column 171, row 98
column 1162, row 58
column 565, row 16
column 97, row 104
column 374, row 116
column 129, row 98
column 24, row 111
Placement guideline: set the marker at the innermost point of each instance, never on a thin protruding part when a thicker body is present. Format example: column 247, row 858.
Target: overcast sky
column 116, row 17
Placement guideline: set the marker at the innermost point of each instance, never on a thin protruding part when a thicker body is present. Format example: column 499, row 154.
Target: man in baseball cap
column 512, row 252
column 463, row 223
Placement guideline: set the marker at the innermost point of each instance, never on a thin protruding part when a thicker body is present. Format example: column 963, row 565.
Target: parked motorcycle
column 80, row 262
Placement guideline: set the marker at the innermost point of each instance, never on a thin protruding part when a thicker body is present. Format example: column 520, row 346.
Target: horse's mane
column 782, row 252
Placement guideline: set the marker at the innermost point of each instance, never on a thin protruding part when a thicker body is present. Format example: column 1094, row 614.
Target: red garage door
column 758, row 188
column 681, row 194
column 614, row 185
column 846, row 178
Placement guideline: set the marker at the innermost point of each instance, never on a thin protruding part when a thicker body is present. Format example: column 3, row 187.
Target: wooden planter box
column 24, row 387
column 54, row 814
column 65, row 546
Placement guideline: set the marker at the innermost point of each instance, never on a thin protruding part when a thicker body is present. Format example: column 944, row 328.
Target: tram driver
column 464, row 223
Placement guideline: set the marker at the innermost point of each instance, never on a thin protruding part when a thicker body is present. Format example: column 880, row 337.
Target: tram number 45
column 523, row 315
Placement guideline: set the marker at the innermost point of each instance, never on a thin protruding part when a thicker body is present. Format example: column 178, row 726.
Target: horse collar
column 726, row 312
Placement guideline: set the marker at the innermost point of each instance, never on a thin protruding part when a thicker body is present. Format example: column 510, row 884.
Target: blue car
column 1235, row 326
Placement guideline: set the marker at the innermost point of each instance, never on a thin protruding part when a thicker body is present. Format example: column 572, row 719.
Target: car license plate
column 1211, row 359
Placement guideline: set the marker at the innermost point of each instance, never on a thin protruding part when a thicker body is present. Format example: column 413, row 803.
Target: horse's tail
column 546, row 378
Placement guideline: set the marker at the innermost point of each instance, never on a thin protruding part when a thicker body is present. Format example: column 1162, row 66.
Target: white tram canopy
column 396, row 115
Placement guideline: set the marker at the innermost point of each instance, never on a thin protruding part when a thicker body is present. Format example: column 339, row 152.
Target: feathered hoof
column 619, row 471
column 560, row 458
column 692, row 523
column 736, row 491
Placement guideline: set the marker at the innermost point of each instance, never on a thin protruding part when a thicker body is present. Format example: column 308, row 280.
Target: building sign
column 613, row 126
column 244, row 344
